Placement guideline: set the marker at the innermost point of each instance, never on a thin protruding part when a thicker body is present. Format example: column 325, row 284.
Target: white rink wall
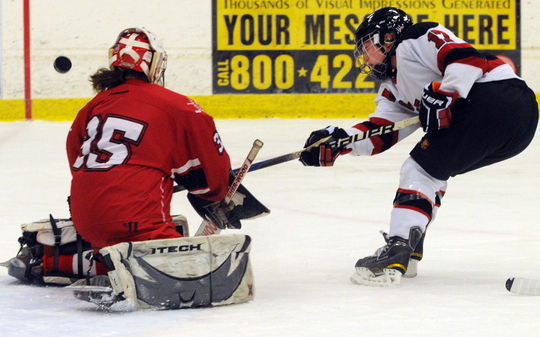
column 83, row 30
column 530, row 43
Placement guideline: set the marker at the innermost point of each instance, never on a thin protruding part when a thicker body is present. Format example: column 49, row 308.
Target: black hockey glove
column 243, row 205
column 323, row 154
column 435, row 107
column 214, row 211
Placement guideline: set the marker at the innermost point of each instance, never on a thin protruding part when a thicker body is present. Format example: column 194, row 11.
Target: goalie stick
column 523, row 286
column 207, row 227
column 378, row 131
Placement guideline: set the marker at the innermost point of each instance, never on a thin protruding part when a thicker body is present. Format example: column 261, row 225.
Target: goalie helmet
column 374, row 29
column 139, row 50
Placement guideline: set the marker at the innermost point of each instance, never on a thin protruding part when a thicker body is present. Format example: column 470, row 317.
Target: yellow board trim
column 219, row 106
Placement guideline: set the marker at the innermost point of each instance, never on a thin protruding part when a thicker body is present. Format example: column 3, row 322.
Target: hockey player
column 125, row 148
column 474, row 109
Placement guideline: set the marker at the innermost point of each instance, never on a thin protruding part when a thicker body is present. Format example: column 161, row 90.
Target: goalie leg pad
column 48, row 238
column 181, row 272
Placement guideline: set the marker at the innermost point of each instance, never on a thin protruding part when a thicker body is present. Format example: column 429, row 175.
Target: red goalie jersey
column 125, row 149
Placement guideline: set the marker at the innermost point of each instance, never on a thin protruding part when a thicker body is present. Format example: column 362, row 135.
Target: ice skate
column 389, row 263
column 25, row 267
column 416, row 256
column 96, row 289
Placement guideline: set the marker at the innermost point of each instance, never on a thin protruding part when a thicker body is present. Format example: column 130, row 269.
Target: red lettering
column 388, row 95
column 439, row 38
column 407, row 105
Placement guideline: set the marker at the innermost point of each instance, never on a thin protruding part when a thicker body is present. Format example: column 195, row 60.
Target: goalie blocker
column 177, row 273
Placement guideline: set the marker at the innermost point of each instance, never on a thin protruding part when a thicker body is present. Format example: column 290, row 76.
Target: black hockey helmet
column 374, row 28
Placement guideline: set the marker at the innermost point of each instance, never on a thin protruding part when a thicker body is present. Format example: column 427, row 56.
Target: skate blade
column 388, row 277
column 89, row 288
column 103, row 297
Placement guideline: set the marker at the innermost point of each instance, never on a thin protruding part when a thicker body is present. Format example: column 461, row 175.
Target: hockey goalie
column 126, row 148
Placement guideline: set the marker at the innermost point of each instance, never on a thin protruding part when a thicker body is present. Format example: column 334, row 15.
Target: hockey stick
column 378, row 131
column 523, row 286
column 207, row 227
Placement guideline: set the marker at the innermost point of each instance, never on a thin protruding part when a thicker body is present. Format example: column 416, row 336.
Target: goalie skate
column 383, row 278
column 95, row 290
column 103, row 297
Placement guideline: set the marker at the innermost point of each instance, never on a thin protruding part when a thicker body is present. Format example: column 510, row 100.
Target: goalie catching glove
column 435, row 113
column 223, row 216
column 323, row 154
column 243, row 205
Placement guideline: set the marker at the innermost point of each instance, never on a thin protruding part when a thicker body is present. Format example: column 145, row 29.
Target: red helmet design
column 138, row 49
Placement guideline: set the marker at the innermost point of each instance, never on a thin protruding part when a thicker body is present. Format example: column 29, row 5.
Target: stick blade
column 509, row 284
column 523, row 286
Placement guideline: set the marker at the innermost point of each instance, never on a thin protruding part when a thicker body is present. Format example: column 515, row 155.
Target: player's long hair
column 105, row 79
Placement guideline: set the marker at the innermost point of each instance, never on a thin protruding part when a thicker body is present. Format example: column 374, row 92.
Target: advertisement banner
column 306, row 46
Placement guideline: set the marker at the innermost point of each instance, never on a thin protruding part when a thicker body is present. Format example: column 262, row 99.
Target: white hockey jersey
column 428, row 52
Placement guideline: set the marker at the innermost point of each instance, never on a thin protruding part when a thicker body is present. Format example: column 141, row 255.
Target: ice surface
column 303, row 253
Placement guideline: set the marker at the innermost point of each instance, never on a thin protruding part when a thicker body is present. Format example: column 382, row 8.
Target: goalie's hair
column 105, row 79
